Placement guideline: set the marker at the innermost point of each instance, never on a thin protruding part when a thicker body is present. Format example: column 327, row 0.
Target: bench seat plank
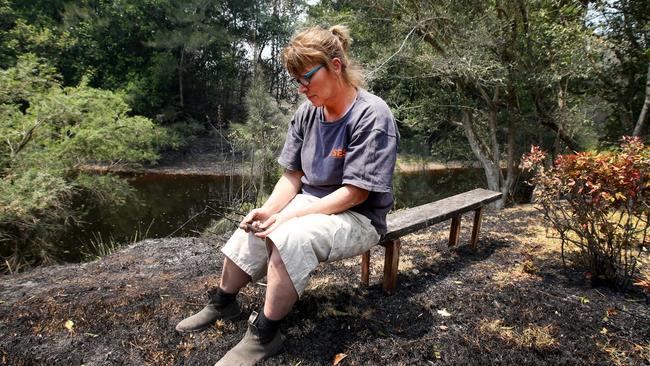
column 410, row 220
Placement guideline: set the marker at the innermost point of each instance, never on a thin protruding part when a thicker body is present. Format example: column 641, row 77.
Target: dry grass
column 406, row 263
column 321, row 281
column 533, row 336
column 512, row 275
column 621, row 353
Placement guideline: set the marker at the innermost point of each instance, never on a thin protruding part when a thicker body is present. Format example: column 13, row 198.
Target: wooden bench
column 407, row 221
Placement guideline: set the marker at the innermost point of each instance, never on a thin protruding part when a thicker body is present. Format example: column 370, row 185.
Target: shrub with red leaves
column 598, row 204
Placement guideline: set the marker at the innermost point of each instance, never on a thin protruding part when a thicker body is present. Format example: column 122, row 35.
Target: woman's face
column 322, row 85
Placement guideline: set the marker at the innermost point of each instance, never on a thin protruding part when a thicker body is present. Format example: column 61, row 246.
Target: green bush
column 598, row 204
column 49, row 133
column 262, row 136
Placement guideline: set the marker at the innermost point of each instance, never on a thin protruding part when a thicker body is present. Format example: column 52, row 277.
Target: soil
column 511, row 303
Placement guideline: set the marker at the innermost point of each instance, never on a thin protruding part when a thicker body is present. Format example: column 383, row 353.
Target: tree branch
column 478, row 147
column 394, row 54
column 548, row 122
column 26, row 137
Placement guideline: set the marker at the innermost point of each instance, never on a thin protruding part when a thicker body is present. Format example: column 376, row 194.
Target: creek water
column 185, row 205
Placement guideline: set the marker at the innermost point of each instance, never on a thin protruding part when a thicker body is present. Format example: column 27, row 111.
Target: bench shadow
column 336, row 319
column 412, row 284
column 340, row 320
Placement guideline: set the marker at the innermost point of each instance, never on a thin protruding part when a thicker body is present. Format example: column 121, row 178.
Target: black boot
column 262, row 340
column 222, row 305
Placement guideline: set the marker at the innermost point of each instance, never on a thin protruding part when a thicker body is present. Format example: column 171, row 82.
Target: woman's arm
column 284, row 191
column 338, row 201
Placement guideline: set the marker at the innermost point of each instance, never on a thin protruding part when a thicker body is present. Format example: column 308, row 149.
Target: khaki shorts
column 303, row 242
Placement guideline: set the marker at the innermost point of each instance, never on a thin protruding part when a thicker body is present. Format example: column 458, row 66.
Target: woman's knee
column 275, row 259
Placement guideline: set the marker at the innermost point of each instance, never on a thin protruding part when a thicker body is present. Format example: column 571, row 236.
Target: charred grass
column 511, row 302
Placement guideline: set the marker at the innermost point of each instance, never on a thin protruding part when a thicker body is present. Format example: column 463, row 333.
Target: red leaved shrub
column 598, row 204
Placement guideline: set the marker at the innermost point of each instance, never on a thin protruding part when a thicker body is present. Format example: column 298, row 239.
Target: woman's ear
column 337, row 65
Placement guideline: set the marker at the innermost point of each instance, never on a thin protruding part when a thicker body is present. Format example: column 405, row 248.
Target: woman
column 330, row 203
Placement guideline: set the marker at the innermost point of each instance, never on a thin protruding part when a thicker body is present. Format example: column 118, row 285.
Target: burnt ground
column 510, row 303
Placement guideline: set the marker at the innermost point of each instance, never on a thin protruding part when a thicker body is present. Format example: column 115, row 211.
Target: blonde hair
column 316, row 46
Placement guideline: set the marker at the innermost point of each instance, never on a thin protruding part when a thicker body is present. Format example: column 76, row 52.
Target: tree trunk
column 492, row 123
column 561, row 109
column 180, row 75
column 646, row 105
column 511, row 99
column 252, row 175
column 509, row 182
column 492, row 170
column 547, row 121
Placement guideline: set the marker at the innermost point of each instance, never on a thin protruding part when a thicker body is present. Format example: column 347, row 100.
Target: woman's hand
column 273, row 222
column 252, row 221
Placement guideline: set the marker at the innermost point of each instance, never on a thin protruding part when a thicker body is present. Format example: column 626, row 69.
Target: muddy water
column 184, row 205
column 164, row 205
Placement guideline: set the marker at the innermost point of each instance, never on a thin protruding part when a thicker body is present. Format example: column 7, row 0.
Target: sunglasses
column 306, row 79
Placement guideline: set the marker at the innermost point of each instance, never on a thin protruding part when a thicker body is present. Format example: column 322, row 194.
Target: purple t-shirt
column 359, row 149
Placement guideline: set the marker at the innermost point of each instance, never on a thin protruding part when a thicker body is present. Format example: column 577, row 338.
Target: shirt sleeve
column 290, row 155
column 371, row 154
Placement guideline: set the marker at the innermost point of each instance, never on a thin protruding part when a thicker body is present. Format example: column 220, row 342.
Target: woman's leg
column 233, row 278
column 280, row 293
column 245, row 260
column 263, row 338
column 303, row 243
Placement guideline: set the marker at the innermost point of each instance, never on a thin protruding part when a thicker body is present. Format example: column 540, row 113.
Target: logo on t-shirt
column 338, row 153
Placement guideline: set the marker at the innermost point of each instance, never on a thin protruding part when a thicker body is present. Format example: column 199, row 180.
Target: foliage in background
column 186, row 65
column 467, row 80
column 569, row 72
column 622, row 65
column 599, row 205
column 262, row 135
column 176, row 61
column 513, row 77
column 49, row 132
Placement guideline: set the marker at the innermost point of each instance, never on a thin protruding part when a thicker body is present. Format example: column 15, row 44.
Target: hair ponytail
column 343, row 34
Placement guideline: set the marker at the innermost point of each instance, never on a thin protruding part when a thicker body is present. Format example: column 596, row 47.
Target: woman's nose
column 302, row 88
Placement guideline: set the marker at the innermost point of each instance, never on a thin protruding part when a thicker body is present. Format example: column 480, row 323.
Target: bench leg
column 454, row 232
column 391, row 261
column 365, row 268
column 478, row 215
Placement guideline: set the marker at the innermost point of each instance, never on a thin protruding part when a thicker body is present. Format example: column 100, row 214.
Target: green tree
column 266, row 27
column 31, row 27
column 190, row 29
column 176, row 61
column 492, row 80
column 262, row 135
column 623, row 63
column 49, row 133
